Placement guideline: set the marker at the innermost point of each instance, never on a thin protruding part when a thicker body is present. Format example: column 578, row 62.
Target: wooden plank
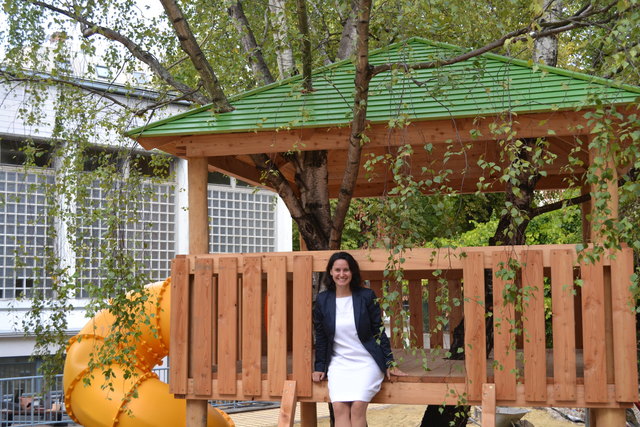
column 504, row 349
column 439, row 393
column 227, row 325
column 276, row 267
column 595, row 364
column 203, row 300
column 302, row 322
column 288, row 405
column 455, row 297
column 533, row 322
column 252, row 325
column 179, row 333
column 474, row 318
column 624, row 327
column 417, row 259
column 488, row 405
column 435, row 333
column 214, row 320
column 415, row 310
column 567, row 123
column 562, row 299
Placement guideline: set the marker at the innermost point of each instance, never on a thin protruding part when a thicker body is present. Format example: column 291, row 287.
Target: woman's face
column 341, row 273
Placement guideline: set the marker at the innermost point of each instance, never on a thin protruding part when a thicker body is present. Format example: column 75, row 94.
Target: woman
column 352, row 349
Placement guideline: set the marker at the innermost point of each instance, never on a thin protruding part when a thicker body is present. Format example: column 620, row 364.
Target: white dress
column 353, row 374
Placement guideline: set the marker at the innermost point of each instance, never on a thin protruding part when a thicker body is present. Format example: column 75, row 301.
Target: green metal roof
column 486, row 85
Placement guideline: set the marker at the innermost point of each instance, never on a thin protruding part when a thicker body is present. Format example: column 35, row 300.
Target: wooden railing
column 241, row 325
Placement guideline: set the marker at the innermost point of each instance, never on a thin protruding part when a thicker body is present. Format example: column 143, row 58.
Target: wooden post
column 488, row 405
column 198, row 244
column 603, row 417
column 308, row 414
column 198, row 206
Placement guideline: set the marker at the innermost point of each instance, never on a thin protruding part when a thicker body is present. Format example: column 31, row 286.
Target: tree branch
column 90, row 28
column 248, row 40
column 632, row 175
column 192, row 48
column 8, row 76
column 551, row 28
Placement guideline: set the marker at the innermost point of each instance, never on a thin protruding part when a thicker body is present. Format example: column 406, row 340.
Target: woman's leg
column 342, row 412
column 359, row 413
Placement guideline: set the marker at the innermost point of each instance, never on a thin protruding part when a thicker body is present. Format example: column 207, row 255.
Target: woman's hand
column 317, row 376
column 395, row 371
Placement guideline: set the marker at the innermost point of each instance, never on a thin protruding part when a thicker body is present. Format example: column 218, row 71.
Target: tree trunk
column 248, row 40
column 305, row 44
column 284, row 54
column 358, row 124
column 348, row 38
column 545, row 49
column 192, row 49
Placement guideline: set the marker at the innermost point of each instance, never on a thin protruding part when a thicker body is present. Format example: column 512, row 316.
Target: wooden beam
column 203, row 332
column 475, row 348
column 198, row 171
column 179, row 332
column 402, row 391
column 488, row 405
column 288, row 405
column 308, row 414
column 624, row 328
column 461, row 130
column 606, row 417
column 564, row 349
column 231, row 166
column 302, row 336
column 198, row 244
column 252, row 306
column 418, row 261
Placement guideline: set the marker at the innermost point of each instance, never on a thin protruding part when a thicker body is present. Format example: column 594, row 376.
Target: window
column 241, row 220
column 218, row 178
column 151, row 165
column 14, row 152
column 102, row 72
column 140, row 78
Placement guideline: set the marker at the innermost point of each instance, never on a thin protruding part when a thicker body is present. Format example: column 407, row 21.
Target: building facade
column 242, row 219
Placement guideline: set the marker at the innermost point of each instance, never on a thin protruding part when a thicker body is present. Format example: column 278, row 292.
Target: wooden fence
column 241, row 325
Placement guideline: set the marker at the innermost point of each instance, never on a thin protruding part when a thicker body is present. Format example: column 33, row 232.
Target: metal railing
column 29, row 401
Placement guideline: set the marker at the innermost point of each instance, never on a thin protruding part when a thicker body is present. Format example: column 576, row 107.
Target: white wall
column 12, row 313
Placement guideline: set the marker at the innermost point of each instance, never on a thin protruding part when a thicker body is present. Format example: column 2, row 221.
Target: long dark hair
column 356, row 278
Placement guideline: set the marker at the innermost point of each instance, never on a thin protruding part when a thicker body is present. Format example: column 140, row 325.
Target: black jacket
column 369, row 325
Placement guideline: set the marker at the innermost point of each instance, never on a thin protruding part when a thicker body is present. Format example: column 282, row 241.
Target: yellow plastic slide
column 96, row 406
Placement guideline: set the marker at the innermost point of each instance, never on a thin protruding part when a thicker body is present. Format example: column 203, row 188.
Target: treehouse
column 241, row 325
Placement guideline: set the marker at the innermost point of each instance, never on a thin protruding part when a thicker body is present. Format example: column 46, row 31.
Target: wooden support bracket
column 288, row 405
column 488, row 405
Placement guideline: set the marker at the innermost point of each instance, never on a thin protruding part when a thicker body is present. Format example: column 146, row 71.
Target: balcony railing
column 563, row 331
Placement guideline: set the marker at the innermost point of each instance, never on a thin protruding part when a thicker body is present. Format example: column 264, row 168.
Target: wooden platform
column 257, row 309
column 432, row 366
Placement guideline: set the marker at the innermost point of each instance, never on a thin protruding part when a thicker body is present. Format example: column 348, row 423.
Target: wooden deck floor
column 432, row 365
